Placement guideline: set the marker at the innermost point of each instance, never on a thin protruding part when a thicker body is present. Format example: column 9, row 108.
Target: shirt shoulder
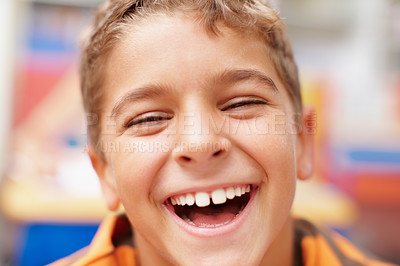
column 319, row 247
column 108, row 246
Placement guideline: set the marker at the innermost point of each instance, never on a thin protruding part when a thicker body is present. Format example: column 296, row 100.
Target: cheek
column 135, row 166
column 272, row 147
column 268, row 140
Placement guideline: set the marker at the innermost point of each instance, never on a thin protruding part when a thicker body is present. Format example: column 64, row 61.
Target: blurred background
column 348, row 52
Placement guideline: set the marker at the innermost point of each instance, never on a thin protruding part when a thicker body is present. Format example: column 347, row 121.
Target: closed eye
column 148, row 120
column 243, row 103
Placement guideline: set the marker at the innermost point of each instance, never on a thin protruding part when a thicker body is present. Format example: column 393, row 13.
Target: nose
column 202, row 144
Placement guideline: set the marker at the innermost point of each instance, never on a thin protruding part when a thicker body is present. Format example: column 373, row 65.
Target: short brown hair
column 113, row 16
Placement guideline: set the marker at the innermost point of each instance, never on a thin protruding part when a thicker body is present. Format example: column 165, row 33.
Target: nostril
column 217, row 153
column 185, row 158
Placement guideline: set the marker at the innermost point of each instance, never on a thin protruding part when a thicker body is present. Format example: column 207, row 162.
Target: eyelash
column 243, row 103
column 146, row 120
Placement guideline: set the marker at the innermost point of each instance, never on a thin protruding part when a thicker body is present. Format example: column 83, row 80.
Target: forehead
column 179, row 51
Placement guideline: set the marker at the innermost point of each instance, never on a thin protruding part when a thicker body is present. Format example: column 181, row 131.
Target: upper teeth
column 218, row 196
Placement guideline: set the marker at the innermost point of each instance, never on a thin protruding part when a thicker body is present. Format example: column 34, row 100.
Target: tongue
column 213, row 216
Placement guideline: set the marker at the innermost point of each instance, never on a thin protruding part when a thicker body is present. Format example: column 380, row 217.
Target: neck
column 146, row 253
column 282, row 249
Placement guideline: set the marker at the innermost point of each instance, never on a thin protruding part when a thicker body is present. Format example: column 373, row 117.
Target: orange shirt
column 313, row 247
column 319, row 248
column 104, row 249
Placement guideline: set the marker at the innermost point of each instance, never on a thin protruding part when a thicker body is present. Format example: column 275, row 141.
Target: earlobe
column 106, row 178
column 305, row 150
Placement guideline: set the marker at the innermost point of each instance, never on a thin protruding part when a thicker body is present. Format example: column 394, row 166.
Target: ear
column 106, row 178
column 305, row 148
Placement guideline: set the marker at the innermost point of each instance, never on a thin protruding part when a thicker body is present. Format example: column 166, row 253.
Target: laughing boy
column 201, row 135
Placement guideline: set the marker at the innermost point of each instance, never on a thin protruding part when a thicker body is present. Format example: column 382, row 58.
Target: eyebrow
column 135, row 95
column 231, row 76
column 238, row 75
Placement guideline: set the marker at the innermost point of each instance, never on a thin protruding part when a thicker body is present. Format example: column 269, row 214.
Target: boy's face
column 193, row 113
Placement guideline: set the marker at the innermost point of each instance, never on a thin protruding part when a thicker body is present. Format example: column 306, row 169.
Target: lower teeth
column 186, row 219
column 213, row 225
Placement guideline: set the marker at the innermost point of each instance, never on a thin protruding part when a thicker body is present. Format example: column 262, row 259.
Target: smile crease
column 211, row 209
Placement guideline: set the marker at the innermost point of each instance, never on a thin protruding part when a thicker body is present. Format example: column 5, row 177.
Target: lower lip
column 204, row 232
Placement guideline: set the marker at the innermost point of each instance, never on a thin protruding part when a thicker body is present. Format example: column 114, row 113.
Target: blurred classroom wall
column 348, row 53
column 349, row 60
column 7, row 11
column 7, row 33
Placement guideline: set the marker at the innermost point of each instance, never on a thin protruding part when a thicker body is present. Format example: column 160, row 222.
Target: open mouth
column 212, row 209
